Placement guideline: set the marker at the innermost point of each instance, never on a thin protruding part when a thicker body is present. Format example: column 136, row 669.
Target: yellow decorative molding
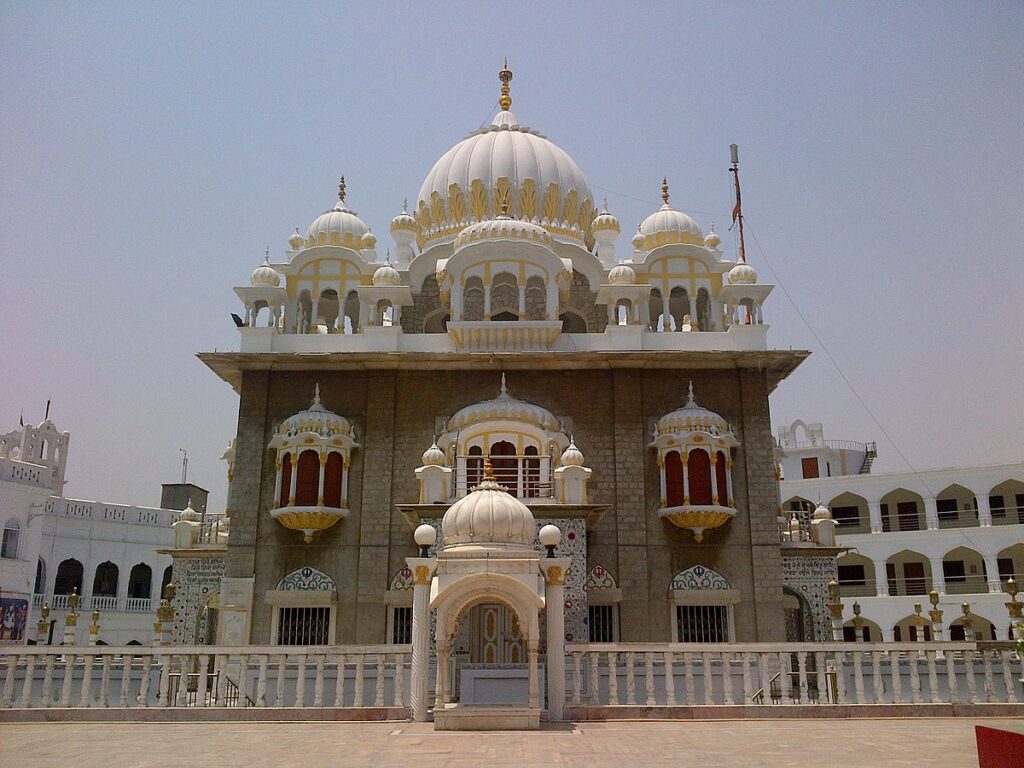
column 421, row 576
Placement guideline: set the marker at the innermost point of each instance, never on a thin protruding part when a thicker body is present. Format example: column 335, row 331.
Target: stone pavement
column 932, row 742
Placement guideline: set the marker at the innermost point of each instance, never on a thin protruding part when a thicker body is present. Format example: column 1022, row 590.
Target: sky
column 150, row 152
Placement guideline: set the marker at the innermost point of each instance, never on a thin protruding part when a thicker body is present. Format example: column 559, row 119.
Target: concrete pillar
column 881, row 580
column 984, row 511
column 938, row 575
column 532, row 652
column 487, row 301
column 931, row 513
column 522, row 302
column 714, row 478
column 294, row 480
column 320, row 483
column 441, row 683
column 555, row 569
column 992, row 573
column 422, row 569
column 875, row 516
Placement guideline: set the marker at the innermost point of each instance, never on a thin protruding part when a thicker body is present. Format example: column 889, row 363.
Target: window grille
column 303, row 626
column 602, row 623
column 702, row 623
column 401, row 625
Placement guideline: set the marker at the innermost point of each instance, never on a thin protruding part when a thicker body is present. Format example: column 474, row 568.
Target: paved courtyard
column 937, row 743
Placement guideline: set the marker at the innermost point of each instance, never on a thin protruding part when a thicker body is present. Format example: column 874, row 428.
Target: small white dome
column 403, row 221
column 622, row 274
column 503, row 228
column 338, row 226
column 387, row 275
column 712, row 240
column 667, row 225
column 434, row 456
column 821, row 513
column 265, row 275
column 189, row 513
column 316, row 419
column 369, row 241
column 296, row 240
column 605, row 222
column 489, row 516
column 638, row 240
column 742, row 274
column 692, row 418
column 572, row 456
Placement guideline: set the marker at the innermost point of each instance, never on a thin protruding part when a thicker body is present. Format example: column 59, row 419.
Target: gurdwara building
column 623, row 400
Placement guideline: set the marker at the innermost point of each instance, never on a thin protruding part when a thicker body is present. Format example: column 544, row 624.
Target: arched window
column 503, row 460
column 474, row 467
column 40, row 577
column 286, row 480
column 721, row 467
column 69, row 577
column 352, row 312
column 166, row 578
column 504, row 297
column 140, row 581
column 473, row 299
column 332, row 480
column 703, row 319
column 573, row 322
column 656, row 310
column 9, row 547
column 307, row 484
column 536, row 299
column 698, row 468
column 678, row 307
column 674, row 479
column 104, row 584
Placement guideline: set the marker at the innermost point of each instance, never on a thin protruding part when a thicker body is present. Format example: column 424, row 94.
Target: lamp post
column 422, row 568
column 554, row 569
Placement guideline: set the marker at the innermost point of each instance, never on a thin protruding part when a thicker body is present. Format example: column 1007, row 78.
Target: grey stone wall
column 395, row 412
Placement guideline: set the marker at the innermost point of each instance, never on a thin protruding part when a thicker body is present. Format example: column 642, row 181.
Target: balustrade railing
column 95, row 603
column 601, row 675
column 205, row 676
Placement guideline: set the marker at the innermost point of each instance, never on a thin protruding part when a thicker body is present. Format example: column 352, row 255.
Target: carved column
column 555, row 569
column 422, row 569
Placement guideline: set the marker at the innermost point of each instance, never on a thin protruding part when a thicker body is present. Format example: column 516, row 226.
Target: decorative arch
column 459, row 597
column 402, row 580
column 307, row 579
column 600, row 578
column 699, row 577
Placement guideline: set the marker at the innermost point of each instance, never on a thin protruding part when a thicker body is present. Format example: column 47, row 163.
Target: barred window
column 303, row 626
column 602, row 623
column 401, row 625
column 702, row 623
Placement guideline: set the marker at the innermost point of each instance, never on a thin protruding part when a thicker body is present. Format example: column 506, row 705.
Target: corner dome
column 504, row 163
column 692, row 418
column 338, row 226
column 572, row 456
column 621, row 274
column 316, row 419
column 433, row 456
column 489, row 516
column 387, row 275
column 742, row 274
column 265, row 276
column 667, row 225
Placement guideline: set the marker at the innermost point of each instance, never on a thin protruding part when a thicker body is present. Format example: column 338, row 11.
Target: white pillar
column 984, row 511
column 522, row 302
column 294, row 480
column 992, row 573
column 714, row 477
column 931, row 513
column 554, row 612
column 346, row 462
column 441, row 682
column 277, row 483
column 875, row 515
column 685, row 458
column 664, row 482
column 422, row 569
column 487, row 302
column 532, row 653
column 881, row 579
column 314, row 318
column 662, row 320
column 552, row 299
column 320, row 485
column 938, row 575
column 693, row 312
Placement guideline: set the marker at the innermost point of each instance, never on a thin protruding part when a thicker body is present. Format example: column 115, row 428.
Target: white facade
column 54, row 545
column 958, row 531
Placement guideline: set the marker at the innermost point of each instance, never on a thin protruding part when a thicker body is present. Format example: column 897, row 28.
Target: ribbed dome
column 433, row 456
column 387, row 275
column 316, row 419
column 572, row 456
column 489, row 515
column 667, row 225
column 265, row 276
column 509, row 163
column 503, row 408
column 691, row 417
column 742, row 274
column 338, row 226
column 621, row 274
column 503, row 228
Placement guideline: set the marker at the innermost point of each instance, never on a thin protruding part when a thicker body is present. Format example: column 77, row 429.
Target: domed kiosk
column 488, row 560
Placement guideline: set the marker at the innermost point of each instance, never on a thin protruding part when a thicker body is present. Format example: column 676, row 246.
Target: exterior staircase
column 870, row 454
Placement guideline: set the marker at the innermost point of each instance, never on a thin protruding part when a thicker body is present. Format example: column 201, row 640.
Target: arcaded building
column 623, row 398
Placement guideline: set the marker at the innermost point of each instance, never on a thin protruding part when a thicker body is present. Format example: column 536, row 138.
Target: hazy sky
column 150, row 152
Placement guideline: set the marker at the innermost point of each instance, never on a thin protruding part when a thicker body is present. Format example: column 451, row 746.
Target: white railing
column 138, row 604
column 95, row 603
column 612, row 674
column 374, row 676
column 102, row 603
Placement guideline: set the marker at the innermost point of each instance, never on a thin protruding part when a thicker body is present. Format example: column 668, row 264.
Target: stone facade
column 395, row 413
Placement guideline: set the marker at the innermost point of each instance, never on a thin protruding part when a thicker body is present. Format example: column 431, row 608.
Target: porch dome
column 488, row 515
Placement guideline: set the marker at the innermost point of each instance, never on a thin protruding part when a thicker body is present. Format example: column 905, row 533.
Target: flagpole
column 737, row 211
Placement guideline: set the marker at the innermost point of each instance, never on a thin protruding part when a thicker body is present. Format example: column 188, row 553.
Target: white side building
column 53, row 546
column 958, row 531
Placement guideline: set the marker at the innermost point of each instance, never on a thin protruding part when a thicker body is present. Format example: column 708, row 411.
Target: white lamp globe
column 424, row 536
column 550, row 536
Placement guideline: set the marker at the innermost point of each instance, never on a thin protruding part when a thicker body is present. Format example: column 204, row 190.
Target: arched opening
column 798, row 504
column 910, row 628
column 104, row 583
column 850, row 512
column 286, row 480
column 10, row 541
column 166, row 578
column 505, row 317
column 981, row 628
column 721, row 468
column 798, row 619
column 957, row 507
column 674, row 490
column 474, row 467
column 40, row 585
column 698, row 468
column 573, row 322
column 70, row 574
column 870, row 632
column 678, row 307
column 856, row 575
column 385, row 315
column 505, row 296
column 303, row 321
column 536, row 299
column 703, row 309
column 473, row 299
column 207, row 619
column 1006, row 502
column 140, row 581
column 747, row 311
column 503, row 461
column 902, row 510
column 656, row 309
column 908, row 573
column 531, row 472
column 352, row 312
column 332, row 480
column 623, row 312
column 964, row 572
column 1011, row 563
column 437, row 322
column 328, row 309
column 307, row 481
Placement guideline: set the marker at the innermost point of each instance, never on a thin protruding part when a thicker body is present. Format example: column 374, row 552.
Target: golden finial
column 504, row 207
column 489, row 471
column 506, row 77
column 341, row 189
column 664, row 189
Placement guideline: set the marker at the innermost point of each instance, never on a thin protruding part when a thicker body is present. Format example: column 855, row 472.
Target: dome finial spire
column 316, row 396
column 689, row 394
column 341, row 190
column 664, row 189
column 505, row 76
column 266, row 255
column 504, row 389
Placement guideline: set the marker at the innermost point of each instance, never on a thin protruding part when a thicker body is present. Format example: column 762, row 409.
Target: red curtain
column 674, row 479
column 699, row 470
column 332, row 480
column 307, row 485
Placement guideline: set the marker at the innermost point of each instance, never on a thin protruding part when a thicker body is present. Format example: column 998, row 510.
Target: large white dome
column 489, row 516
column 505, row 163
